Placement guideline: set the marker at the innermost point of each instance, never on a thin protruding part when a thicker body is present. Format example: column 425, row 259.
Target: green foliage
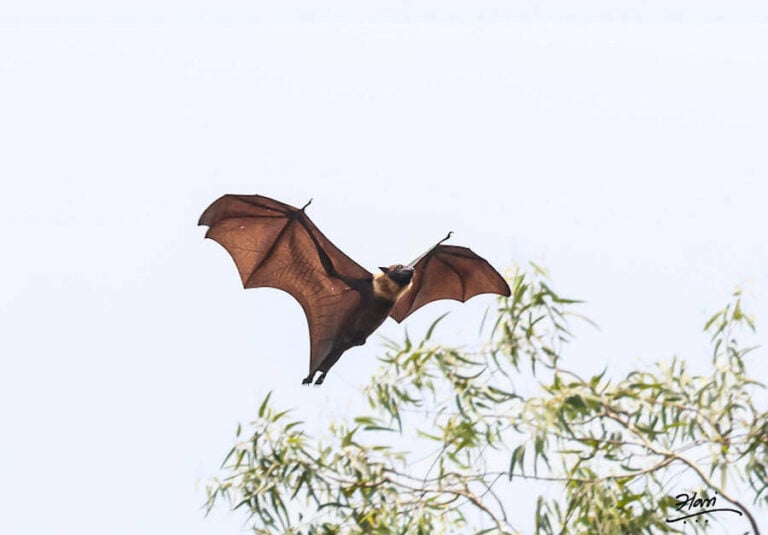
column 507, row 412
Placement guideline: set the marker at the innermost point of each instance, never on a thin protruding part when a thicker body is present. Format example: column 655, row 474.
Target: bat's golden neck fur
column 387, row 289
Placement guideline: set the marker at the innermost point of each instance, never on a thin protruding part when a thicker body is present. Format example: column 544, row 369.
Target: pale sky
column 628, row 158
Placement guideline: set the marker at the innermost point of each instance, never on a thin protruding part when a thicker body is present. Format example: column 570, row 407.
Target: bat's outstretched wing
column 276, row 245
column 448, row 272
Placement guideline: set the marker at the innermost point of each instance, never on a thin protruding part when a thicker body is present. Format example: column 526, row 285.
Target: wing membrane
column 276, row 245
column 448, row 272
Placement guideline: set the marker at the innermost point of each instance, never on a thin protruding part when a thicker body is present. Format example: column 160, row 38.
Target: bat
column 276, row 245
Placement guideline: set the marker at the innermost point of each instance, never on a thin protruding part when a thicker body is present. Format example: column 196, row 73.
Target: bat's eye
column 399, row 266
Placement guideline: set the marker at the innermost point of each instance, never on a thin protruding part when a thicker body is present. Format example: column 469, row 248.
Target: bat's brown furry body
column 276, row 245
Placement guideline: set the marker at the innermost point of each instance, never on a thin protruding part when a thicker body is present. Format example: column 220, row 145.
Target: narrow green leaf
column 263, row 406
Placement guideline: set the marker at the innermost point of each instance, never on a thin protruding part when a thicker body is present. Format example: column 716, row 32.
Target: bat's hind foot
column 308, row 379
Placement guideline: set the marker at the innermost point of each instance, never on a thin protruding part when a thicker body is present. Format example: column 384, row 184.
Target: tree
column 510, row 411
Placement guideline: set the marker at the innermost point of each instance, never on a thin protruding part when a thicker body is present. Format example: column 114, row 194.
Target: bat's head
column 399, row 273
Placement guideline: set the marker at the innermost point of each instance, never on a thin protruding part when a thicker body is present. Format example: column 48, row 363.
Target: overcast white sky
column 629, row 159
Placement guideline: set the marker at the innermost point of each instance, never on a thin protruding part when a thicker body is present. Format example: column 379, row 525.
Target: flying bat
column 276, row 245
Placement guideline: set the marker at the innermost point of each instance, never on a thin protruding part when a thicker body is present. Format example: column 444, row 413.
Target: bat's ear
column 384, row 269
